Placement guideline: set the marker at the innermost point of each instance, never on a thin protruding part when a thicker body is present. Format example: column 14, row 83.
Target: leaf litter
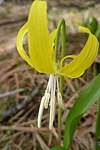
column 22, row 88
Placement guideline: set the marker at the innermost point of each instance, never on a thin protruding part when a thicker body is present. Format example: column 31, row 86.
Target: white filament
column 49, row 98
column 52, row 103
column 41, row 111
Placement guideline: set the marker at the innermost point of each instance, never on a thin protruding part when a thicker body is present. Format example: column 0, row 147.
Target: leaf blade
column 85, row 100
column 58, row 148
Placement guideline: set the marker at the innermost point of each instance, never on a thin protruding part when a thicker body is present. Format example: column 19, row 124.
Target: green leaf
column 97, row 147
column 97, row 135
column 97, row 33
column 92, row 24
column 58, row 148
column 85, row 100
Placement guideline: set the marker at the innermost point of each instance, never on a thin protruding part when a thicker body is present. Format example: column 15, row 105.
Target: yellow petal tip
column 84, row 29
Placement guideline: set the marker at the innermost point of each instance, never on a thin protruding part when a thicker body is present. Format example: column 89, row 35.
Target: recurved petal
column 52, row 38
column 39, row 39
column 19, row 43
column 85, row 58
column 66, row 57
column 53, row 35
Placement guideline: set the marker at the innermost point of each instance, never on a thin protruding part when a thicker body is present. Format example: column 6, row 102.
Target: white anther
column 47, row 98
column 60, row 100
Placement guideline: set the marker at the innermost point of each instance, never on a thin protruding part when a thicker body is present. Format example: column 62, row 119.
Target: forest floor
column 21, row 87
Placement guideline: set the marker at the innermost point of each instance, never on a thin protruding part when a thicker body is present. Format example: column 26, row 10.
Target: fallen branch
column 11, row 112
column 27, row 129
column 24, row 129
column 11, row 92
column 77, row 4
column 9, row 22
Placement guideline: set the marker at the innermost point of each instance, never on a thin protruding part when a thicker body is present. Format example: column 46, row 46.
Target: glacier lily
column 41, row 56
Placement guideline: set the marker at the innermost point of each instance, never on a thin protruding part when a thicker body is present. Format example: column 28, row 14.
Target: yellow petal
column 52, row 37
column 68, row 56
column 39, row 40
column 84, row 60
column 19, row 44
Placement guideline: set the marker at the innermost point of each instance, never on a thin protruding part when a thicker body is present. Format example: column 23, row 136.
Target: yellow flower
column 41, row 55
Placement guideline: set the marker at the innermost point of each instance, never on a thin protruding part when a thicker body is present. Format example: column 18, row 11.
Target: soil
column 18, row 82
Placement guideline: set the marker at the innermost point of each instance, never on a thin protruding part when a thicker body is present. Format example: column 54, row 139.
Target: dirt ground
column 21, row 87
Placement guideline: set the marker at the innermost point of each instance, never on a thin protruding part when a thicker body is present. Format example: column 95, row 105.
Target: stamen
column 52, row 103
column 47, row 98
column 57, row 85
column 49, row 84
column 41, row 111
column 59, row 96
column 60, row 100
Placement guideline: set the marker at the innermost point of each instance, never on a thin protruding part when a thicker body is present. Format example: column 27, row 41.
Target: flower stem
column 62, row 26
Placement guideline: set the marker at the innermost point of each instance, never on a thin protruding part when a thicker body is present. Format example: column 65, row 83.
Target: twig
column 11, row 112
column 24, row 129
column 9, row 22
column 11, row 92
column 41, row 142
